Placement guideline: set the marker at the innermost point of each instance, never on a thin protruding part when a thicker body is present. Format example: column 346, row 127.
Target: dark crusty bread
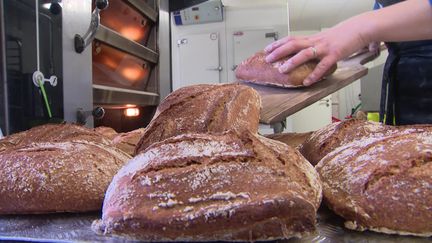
column 53, row 133
column 382, row 184
column 201, row 109
column 108, row 132
column 291, row 139
column 256, row 70
column 203, row 187
column 327, row 139
column 57, row 177
column 127, row 142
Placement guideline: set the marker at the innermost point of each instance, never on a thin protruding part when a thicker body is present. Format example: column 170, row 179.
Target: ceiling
column 310, row 14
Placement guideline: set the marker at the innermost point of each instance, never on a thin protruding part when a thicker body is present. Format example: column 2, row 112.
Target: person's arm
column 405, row 21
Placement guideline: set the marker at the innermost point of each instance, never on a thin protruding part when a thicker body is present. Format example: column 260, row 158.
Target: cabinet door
column 198, row 60
column 313, row 117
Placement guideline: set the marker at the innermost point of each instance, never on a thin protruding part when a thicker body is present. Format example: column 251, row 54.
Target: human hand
column 328, row 46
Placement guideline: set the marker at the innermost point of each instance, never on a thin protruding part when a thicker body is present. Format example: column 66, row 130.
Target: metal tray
column 76, row 228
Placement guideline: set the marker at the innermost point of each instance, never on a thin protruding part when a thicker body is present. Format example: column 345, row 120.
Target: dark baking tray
column 76, row 228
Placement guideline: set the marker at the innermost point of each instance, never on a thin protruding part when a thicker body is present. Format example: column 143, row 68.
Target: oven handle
column 81, row 42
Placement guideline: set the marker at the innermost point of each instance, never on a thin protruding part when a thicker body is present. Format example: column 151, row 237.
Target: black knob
column 79, row 43
column 55, row 7
column 98, row 112
column 101, row 4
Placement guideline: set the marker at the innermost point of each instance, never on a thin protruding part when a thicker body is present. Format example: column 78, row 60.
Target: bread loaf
column 201, row 109
column 291, row 139
column 108, row 132
column 203, row 187
column 382, row 184
column 53, row 133
column 57, row 176
column 127, row 142
column 329, row 138
column 256, row 70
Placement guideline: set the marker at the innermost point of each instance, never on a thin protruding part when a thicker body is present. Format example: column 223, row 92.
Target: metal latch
column 81, row 42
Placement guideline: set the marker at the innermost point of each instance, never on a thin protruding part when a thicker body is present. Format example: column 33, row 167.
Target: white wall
column 235, row 19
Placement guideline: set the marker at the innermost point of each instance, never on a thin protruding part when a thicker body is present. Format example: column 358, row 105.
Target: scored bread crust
column 53, row 133
column 127, row 142
column 337, row 134
column 255, row 69
column 201, row 109
column 108, row 132
column 382, row 184
column 204, row 187
column 57, row 176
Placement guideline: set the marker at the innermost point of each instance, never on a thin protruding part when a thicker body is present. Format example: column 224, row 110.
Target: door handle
column 219, row 69
column 325, row 102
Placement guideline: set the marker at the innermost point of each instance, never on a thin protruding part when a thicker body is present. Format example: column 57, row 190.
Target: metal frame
column 112, row 38
column 144, row 8
column 117, row 96
column 77, row 68
column 4, row 112
column 164, row 42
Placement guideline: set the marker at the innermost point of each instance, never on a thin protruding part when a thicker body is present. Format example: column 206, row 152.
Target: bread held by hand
column 256, row 70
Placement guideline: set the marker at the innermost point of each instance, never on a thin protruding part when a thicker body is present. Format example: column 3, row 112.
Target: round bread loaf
column 327, row 139
column 108, row 132
column 255, row 69
column 201, row 109
column 57, row 176
column 127, row 142
column 382, row 184
column 203, row 187
column 53, row 133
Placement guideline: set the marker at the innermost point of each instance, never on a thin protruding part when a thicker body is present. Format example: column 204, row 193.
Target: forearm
column 406, row 21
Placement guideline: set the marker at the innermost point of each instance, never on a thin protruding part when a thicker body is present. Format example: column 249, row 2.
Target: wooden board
column 279, row 103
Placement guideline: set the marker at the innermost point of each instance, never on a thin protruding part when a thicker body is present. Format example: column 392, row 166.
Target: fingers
column 287, row 49
column 298, row 59
column 320, row 70
column 277, row 44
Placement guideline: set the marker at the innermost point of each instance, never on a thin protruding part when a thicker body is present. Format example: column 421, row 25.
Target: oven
column 117, row 80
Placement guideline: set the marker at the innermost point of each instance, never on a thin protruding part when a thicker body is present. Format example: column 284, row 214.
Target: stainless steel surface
column 81, row 42
column 77, row 227
column 114, row 39
column 164, row 66
column 77, row 73
column 4, row 112
column 144, row 8
column 118, row 96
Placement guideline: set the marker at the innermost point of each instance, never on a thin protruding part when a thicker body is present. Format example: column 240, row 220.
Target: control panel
column 207, row 12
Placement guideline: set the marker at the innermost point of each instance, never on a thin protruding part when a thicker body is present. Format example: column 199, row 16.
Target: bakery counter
column 76, row 227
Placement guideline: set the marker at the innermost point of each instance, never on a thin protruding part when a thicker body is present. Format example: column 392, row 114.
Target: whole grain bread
column 57, row 176
column 108, row 132
column 256, row 70
column 204, row 187
column 330, row 137
column 127, row 142
column 382, row 184
column 201, row 109
column 53, row 133
column 291, row 139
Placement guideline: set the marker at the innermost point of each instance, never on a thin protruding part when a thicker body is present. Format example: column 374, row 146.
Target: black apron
column 406, row 95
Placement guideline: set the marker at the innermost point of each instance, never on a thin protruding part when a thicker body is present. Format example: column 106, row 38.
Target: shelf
column 118, row 96
column 116, row 40
column 144, row 8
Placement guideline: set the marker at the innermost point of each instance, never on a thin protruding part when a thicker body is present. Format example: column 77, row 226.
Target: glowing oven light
column 131, row 112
